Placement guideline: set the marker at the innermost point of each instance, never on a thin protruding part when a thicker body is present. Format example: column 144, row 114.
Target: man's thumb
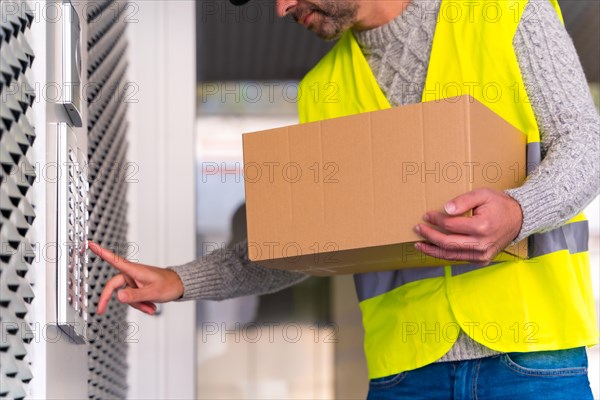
column 465, row 202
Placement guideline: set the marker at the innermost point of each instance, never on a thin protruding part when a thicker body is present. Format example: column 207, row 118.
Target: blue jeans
column 542, row 375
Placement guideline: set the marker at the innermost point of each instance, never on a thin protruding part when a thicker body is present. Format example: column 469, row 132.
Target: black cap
column 238, row 2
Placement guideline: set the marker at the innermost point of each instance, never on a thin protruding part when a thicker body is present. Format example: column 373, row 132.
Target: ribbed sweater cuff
column 540, row 208
column 200, row 281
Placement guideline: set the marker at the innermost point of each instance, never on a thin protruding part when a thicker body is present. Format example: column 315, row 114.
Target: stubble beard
column 333, row 18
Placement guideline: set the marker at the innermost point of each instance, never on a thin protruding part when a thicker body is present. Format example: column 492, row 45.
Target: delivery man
column 514, row 329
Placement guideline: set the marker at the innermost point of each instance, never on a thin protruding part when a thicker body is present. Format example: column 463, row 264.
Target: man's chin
column 324, row 28
column 329, row 36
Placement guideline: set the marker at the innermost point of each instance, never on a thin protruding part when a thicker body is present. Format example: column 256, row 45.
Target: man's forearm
column 569, row 176
column 227, row 273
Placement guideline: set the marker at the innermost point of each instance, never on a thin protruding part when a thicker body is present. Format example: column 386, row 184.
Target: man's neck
column 377, row 13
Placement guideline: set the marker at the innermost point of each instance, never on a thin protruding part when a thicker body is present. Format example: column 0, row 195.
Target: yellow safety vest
column 412, row 317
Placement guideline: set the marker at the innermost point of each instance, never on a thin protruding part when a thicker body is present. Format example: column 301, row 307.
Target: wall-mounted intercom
column 71, row 234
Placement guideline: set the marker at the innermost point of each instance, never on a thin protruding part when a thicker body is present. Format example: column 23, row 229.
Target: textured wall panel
column 105, row 73
column 16, row 209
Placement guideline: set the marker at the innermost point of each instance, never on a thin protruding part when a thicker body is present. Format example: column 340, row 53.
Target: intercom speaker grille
column 17, row 177
column 106, row 72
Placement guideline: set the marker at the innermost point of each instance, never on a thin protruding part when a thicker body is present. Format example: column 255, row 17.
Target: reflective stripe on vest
column 370, row 285
column 412, row 317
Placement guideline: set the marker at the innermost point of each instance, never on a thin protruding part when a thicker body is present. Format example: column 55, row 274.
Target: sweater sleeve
column 227, row 272
column 568, row 178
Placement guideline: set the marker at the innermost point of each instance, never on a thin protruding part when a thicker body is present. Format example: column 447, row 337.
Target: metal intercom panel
column 67, row 190
column 72, row 231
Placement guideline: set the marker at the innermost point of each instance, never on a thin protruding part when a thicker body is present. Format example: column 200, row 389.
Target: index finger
column 113, row 259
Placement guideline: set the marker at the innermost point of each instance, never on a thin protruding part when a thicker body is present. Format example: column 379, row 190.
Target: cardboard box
column 343, row 195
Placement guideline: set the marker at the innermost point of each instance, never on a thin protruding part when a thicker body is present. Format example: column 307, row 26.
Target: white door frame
column 162, row 196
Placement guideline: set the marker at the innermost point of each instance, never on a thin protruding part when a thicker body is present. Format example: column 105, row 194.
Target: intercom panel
column 72, row 232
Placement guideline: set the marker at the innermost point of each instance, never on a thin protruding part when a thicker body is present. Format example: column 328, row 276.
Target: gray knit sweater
column 398, row 54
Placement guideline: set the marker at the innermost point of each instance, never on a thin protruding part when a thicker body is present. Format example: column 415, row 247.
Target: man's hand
column 496, row 221
column 145, row 285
